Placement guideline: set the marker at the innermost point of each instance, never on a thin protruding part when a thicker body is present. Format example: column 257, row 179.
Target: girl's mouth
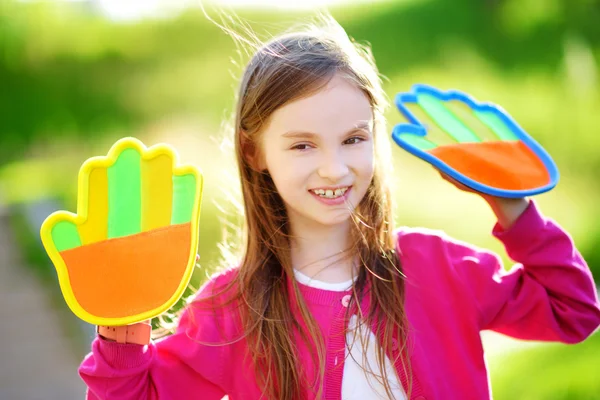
column 332, row 196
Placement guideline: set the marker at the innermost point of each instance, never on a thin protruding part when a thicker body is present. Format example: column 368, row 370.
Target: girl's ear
column 251, row 153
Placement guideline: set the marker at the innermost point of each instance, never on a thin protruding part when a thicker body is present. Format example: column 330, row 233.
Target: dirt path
column 37, row 360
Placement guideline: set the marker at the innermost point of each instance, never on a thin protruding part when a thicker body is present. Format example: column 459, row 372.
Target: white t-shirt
column 356, row 383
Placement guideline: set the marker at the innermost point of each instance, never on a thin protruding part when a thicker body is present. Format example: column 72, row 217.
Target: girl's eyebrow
column 362, row 125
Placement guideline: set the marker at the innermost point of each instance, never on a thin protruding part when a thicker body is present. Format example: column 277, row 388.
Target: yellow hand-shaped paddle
column 129, row 252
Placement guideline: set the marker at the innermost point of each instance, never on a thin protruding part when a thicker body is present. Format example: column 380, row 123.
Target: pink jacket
column 453, row 291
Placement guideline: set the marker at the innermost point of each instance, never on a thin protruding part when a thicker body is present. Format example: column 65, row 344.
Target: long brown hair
column 289, row 67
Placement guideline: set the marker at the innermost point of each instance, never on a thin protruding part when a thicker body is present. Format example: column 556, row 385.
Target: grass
column 549, row 372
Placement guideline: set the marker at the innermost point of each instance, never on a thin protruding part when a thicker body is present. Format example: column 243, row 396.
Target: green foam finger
column 435, row 134
column 446, row 120
column 496, row 125
column 468, row 117
column 419, row 142
column 184, row 194
column 65, row 236
column 124, row 195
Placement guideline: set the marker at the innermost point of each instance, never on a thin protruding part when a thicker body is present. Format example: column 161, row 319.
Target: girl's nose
column 333, row 167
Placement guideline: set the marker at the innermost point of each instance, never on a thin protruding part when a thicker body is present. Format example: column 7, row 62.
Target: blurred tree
column 66, row 72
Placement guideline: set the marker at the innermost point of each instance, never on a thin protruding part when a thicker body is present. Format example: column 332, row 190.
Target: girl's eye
column 354, row 140
column 301, row 146
column 350, row 141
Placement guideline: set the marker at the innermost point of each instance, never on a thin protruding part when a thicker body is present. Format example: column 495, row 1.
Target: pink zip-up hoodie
column 453, row 291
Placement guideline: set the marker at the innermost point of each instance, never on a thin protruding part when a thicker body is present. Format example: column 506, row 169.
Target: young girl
column 328, row 300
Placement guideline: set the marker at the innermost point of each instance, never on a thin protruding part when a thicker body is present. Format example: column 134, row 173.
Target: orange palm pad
column 104, row 286
column 487, row 163
column 129, row 252
column 477, row 144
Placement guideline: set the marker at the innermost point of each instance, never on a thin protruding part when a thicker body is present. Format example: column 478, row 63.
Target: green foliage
column 405, row 34
column 549, row 372
column 70, row 74
column 27, row 240
column 67, row 73
column 591, row 252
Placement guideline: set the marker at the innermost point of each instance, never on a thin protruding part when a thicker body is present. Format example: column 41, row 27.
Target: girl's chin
column 333, row 219
column 319, row 216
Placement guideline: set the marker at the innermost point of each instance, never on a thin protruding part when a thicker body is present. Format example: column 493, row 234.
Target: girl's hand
column 129, row 252
column 507, row 210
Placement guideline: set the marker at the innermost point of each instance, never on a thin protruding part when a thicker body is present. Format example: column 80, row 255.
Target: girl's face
column 319, row 153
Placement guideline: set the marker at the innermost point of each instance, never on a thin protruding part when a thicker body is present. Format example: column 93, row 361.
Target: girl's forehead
column 339, row 104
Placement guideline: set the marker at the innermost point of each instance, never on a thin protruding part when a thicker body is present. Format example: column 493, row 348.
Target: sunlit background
column 75, row 76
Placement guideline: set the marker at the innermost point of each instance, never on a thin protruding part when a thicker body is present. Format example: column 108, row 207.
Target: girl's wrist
column 139, row 333
column 507, row 210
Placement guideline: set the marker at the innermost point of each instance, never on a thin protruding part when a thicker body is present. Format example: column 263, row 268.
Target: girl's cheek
column 295, row 163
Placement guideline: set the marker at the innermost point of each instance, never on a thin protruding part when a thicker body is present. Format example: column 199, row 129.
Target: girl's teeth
column 330, row 194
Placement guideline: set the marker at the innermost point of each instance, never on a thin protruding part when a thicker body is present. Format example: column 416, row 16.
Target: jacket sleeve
column 549, row 295
column 171, row 368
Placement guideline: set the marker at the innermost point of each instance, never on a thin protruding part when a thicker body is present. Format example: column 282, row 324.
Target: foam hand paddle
column 477, row 144
column 129, row 252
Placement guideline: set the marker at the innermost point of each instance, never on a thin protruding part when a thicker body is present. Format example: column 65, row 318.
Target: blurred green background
column 73, row 81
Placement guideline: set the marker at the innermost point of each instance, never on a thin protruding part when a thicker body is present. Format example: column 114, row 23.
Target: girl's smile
column 333, row 196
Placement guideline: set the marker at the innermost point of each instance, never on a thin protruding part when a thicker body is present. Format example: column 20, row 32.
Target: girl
column 328, row 301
